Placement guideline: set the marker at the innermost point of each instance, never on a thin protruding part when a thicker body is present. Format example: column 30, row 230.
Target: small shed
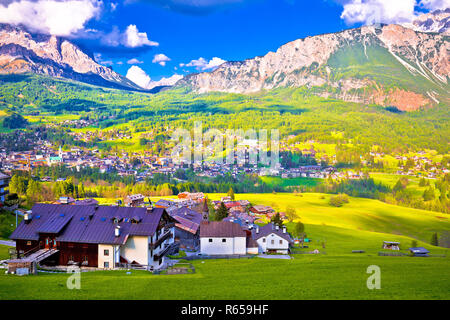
column 391, row 245
column 419, row 252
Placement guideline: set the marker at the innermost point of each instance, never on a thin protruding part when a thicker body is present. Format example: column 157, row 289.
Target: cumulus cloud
column 435, row 4
column 142, row 79
column 161, row 59
column 130, row 38
column 134, row 61
column 378, row 11
column 387, row 11
column 203, row 64
column 138, row 76
column 55, row 17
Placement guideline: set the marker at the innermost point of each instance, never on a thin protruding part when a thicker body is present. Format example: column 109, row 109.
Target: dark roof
column 88, row 224
column 224, row 229
column 420, row 250
column 269, row 228
column 188, row 219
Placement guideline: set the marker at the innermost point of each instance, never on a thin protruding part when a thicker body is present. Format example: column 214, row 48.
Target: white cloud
column 134, row 61
column 387, row 11
column 130, row 38
column 378, row 11
column 61, row 18
column 99, row 59
column 142, row 79
column 203, row 64
column 161, row 59
column 435, row 4
column 135, row 39
column 138, row 76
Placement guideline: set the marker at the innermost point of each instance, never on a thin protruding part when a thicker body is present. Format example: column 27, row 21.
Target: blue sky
column 167, row 37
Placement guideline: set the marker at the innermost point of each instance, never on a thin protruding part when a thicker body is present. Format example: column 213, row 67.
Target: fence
column 225, row 256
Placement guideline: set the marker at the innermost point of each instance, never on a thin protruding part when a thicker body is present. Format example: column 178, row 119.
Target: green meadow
column 334, row 273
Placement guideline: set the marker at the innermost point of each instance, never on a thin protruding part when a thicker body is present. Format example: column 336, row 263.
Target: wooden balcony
column 160, row 240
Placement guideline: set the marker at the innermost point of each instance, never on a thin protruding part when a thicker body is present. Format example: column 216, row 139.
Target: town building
column 222, row 238
column 134, row 200
column 95, row 236
column 272, row 239
column 187, row 228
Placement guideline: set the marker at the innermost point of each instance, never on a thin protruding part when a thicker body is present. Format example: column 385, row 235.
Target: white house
column 222, row 238
column 272, row 239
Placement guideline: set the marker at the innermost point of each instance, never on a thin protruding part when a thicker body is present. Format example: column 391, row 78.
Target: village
column 142, row 235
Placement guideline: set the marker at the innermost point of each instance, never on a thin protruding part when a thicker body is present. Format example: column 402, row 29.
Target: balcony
column 160, row 240
column 161, row 254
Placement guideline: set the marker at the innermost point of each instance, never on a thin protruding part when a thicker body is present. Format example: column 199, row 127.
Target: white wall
column 102, row 258
column 136, row 249
column 267, row 245
column 235, row 245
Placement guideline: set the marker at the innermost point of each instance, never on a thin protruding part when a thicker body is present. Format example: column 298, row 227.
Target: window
column 264, row 239
column 28, row 243
column 71, row 258
column 106, row 264
column 281, row 241
column 272, row 241
column 210, row 240
column 85, row 258
column 106, row 252
column 224, row 240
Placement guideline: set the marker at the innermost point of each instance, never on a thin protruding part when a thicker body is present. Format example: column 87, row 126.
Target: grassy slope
column 338, row 274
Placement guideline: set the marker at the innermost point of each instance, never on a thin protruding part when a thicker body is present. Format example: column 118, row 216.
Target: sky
column 153, row 39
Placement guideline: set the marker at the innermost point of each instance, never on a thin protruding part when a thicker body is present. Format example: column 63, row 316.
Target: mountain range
column 404, row 66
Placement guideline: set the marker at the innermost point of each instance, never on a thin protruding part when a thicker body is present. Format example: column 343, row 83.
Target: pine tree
column 231, row 193
column 434, row 239
column 222, row 212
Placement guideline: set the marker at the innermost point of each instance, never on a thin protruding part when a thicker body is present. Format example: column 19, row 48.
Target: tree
column 222, row 212
column 291, row 213
column 434, row 239
column 428, row 194
column 34, row 191
column 231, row 193
column 276, row 219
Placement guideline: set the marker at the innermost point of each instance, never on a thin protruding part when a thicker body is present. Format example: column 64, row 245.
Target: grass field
column 336, row 273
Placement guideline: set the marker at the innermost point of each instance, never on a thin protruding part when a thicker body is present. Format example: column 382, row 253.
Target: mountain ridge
column 421, row 58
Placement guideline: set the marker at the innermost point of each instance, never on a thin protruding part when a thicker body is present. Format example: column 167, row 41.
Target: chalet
column 419, row 252
column 391, row 245
column 222, row 238
column 163, row 203
column 4, row 182
column 134, row 200
column 95, row 236
column 260, row 209
column 187, row 227
column 272, row 239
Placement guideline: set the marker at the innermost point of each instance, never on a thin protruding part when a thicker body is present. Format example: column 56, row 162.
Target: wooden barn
column 95, row 236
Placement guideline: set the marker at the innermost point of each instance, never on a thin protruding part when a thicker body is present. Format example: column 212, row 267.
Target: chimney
column 257, row 229
column 277, row 227
column 27, row 216
column 117, row 231
column 284, row 229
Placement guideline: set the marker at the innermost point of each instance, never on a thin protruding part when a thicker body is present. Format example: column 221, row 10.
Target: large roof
column 88, row 224
column 188, row 219
column 225, row 229
column 268, row 229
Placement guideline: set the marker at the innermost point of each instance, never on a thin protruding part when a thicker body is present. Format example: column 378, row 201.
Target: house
column 187, row 227
column 163, row 203
column 419, row 252
column 272, row 239
column 4, row 183
column 86, row 202
column 222, row 238
column 260, row 209
column 95, row 236
column 191, row 196
column 134, row 200
column 391, row 245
